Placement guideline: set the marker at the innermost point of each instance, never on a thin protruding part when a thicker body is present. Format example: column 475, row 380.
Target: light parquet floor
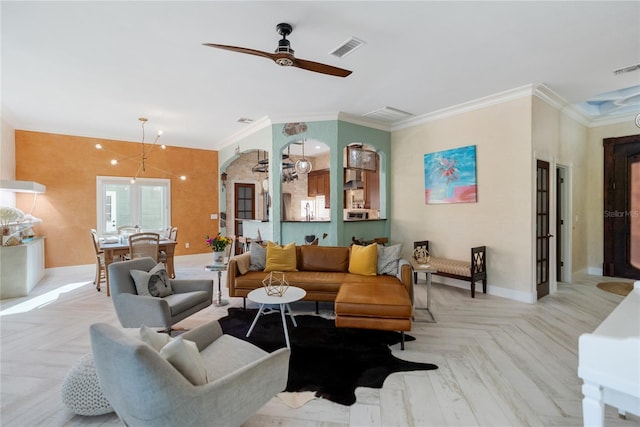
column 501, row 362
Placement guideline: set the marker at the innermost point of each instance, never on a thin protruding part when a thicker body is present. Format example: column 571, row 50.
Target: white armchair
column 145, row 389
column 133, row 310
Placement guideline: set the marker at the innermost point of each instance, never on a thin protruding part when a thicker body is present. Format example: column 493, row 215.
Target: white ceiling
column 92, row 68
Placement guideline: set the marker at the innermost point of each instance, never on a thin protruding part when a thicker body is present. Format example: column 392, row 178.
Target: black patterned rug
column 328, row 360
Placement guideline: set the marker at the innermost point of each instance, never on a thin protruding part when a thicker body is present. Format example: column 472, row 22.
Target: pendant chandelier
column 303, row 165
column 143, row 157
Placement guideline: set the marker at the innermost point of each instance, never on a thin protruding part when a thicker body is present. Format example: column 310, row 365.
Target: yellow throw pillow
column 281, row 258
column 364, row 260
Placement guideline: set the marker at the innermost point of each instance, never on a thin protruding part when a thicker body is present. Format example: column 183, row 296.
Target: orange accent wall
column 68, row 165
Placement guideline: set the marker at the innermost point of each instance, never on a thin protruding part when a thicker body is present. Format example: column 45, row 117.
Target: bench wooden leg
column 484, row 286
column 473, row 289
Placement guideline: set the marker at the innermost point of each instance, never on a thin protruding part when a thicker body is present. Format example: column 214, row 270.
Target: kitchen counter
column 365, row 220
column 302, row 220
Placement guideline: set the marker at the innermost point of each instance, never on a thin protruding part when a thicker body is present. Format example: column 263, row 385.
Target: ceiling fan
column 284, row 55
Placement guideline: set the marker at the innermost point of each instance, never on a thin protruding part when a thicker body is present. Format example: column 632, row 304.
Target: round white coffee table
column 260, row 296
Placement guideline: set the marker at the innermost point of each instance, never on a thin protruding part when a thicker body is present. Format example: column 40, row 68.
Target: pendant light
column 303, row 165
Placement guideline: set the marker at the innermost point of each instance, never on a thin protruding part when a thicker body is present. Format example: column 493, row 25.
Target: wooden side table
column 423, row 268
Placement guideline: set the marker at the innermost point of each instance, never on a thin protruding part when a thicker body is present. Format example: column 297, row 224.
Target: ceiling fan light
column 285, row 62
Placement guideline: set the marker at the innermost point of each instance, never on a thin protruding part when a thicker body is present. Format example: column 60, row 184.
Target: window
column 145, row 203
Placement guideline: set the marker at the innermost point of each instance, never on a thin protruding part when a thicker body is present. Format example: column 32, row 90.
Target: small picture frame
column 359, row 158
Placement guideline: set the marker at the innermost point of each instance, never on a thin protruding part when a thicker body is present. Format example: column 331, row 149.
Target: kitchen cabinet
column 372, row 189
column 319, row 184
column 369, row 183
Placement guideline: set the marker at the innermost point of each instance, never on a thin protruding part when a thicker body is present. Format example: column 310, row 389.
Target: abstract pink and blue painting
column 450, row 176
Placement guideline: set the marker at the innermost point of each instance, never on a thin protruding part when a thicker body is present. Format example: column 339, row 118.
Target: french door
column 542, row 228
column 244, row 204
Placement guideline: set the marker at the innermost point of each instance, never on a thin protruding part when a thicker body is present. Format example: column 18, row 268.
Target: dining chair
column 143, row 245
column 231, row 250
column 243, row 243
column 128, row 229
column 162, row 255
column 100, row 269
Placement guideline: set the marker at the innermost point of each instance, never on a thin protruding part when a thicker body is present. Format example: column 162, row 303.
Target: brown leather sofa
column 369, row 302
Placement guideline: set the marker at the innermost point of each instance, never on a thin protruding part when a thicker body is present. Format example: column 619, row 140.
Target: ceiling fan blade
column 321, row 68
column 242, row 50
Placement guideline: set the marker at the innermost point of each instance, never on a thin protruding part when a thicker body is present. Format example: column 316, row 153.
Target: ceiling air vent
column 347, row 47
column 244, row 120
column 387, row 114
column 628, row 69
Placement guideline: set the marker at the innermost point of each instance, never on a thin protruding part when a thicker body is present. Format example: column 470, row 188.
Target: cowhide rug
column 327, row 360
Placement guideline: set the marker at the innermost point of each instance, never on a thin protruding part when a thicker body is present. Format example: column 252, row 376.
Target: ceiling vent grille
column 388, row 114
column 628, row 69
column 347, row 47
column 244, row 120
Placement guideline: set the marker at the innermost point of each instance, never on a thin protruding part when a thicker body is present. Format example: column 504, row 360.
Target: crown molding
column 465, row 107
column 320, row 117
column 550, row 97
column 313, row 117
column 364, row 121
column 559, row 103
column 606, row 121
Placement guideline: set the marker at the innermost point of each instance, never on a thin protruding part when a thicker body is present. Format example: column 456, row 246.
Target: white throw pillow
column 154, row 282
column 155, row 339
column 185, row 357
column 388, row 257
column 258, row 257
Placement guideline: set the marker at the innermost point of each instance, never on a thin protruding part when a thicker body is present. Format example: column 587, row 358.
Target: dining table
column 114, row 250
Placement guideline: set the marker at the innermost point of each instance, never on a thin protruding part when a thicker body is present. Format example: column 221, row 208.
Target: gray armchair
column 146, row 390
column 133, row 310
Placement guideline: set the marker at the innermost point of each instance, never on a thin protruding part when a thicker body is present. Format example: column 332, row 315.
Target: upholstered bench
column 473, row 270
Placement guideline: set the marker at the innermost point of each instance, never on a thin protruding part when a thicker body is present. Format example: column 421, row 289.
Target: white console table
column 22, row 268
column 609, row 362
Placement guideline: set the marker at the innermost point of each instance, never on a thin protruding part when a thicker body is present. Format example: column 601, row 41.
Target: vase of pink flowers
column 219, row 245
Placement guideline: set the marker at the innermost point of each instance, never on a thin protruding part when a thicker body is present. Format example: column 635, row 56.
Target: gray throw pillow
column 388, row 257
column 258, row 257
column 154, row 282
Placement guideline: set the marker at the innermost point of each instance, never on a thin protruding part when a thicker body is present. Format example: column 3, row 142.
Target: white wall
column 562, row 141
column 573, row 154
column 502, row 217
column 7, row 160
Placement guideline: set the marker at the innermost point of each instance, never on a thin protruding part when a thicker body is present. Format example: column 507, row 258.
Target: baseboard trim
column 529, row 298
column 594, row 271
